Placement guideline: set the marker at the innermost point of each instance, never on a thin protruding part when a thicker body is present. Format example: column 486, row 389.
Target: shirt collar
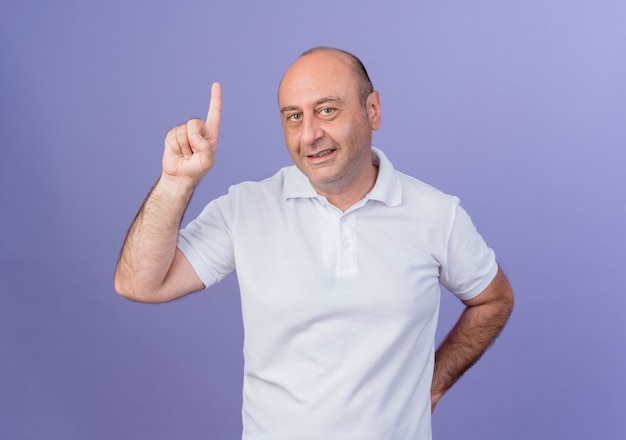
column 387, row 188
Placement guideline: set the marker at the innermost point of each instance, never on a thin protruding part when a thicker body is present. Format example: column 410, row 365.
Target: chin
column 325, row 183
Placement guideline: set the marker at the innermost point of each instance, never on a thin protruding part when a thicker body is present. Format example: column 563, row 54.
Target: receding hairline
column 364, row 84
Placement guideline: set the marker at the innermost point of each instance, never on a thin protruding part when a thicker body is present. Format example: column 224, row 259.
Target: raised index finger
column 214, row 116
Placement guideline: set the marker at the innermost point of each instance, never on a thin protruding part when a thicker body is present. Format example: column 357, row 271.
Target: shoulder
column 419, row 194
column 417, row 186
column 270, row 185
column 397, row 189
column 247, row 197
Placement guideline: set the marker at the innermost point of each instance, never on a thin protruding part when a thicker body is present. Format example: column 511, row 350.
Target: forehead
column 316, row 76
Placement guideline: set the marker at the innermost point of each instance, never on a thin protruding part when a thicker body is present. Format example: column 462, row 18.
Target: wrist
column 178, row 183
column 176, row 186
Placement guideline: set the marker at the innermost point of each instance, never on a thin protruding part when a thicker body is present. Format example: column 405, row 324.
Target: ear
column 373, row 110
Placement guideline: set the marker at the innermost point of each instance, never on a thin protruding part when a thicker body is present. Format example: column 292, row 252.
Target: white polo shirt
column 339, row 309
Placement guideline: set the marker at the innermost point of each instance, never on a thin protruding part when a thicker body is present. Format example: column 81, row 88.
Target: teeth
column 323, row 153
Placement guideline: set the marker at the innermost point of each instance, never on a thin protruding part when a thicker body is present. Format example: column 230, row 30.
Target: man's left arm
column 479, row 325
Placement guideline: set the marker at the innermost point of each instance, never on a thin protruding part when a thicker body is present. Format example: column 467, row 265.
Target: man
column 339, row 260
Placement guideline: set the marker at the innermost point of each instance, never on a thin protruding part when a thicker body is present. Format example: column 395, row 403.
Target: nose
column 311, row 130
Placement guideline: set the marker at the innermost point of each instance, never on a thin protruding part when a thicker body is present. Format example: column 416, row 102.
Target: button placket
column 347, row 248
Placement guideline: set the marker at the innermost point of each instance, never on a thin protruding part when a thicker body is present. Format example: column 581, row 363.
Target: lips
column 321, row 153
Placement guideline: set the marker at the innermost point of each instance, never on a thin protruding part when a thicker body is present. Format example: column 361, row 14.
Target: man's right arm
column 150, row 267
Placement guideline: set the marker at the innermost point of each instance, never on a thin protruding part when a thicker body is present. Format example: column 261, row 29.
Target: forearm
column 150, row 245
column 150, row 269
column 477, row 328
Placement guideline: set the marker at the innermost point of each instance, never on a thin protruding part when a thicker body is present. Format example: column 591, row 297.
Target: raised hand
column 190, row 147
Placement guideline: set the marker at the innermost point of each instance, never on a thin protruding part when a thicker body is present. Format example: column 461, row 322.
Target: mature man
column 339, row 260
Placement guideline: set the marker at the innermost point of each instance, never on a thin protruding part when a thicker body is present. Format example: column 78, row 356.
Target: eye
column 327, row 111
column 294, row 117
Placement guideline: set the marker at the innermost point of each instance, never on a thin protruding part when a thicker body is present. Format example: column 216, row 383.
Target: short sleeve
column 470, row 265
column 207, row 242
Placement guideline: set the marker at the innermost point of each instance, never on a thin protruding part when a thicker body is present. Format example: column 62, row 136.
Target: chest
column 313, row 255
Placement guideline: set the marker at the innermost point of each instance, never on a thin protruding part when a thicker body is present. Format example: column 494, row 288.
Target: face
column 328, row 131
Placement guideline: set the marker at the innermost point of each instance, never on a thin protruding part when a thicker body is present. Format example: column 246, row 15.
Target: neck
column 344, row 198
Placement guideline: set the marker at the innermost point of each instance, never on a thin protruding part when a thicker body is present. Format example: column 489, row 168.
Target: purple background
column 519, row 108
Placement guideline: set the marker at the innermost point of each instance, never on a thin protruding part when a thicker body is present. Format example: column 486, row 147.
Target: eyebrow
column 323, row 100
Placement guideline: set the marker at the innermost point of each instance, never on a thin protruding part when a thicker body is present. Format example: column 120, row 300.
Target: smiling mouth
column 321, row 153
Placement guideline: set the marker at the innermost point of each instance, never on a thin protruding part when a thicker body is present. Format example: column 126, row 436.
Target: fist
column 190, row 148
